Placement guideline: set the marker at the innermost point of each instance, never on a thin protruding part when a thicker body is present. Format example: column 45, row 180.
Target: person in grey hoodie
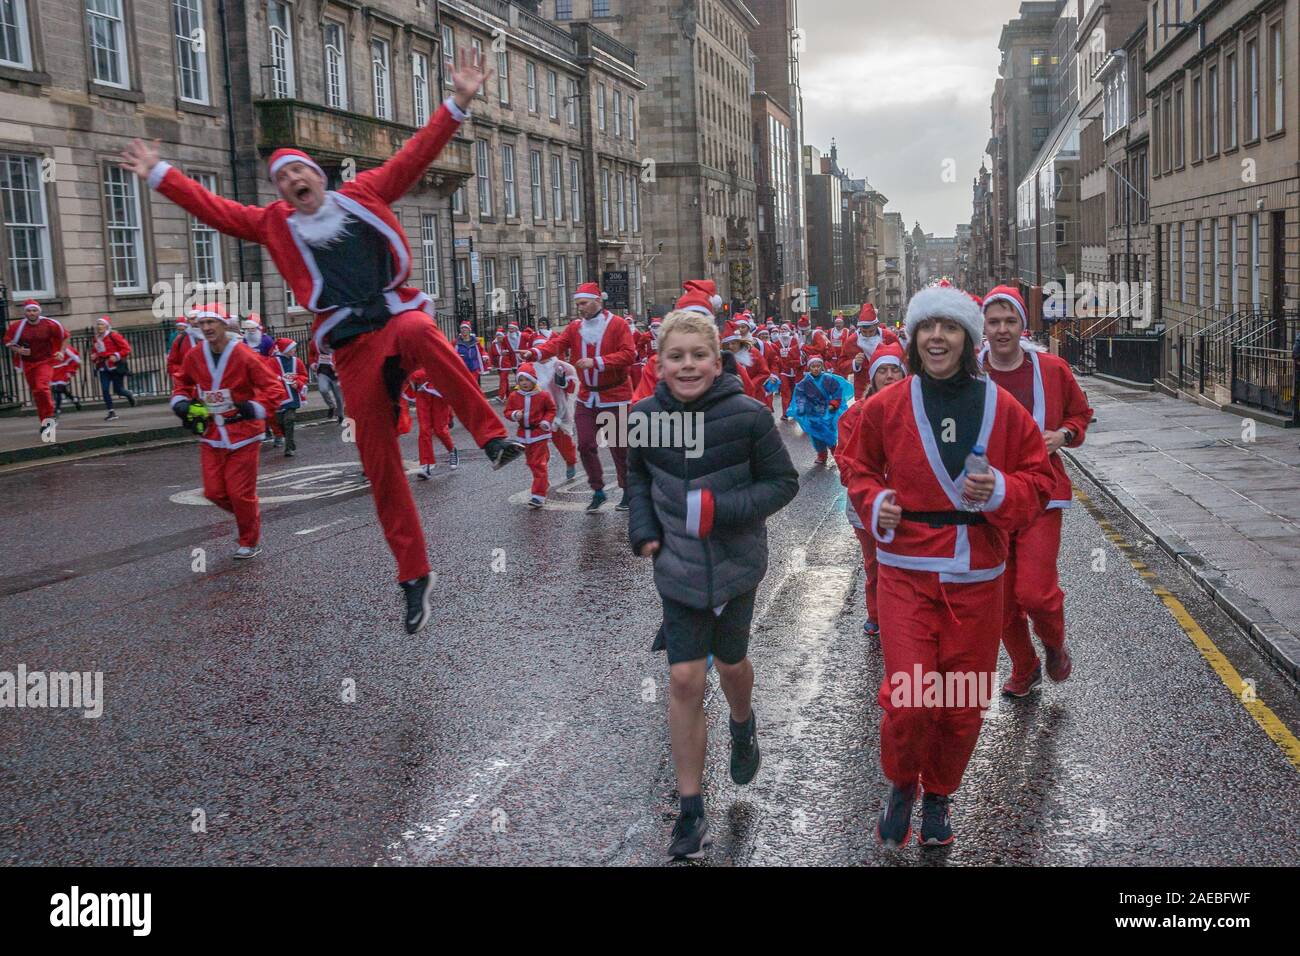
column 698, row 506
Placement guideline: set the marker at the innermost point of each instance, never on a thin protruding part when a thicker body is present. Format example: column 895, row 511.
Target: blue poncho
column 812, row 398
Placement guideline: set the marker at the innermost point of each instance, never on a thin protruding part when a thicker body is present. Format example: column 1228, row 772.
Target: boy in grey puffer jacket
column 698, row 508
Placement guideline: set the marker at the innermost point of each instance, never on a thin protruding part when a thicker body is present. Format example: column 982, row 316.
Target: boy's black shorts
column 690, row 634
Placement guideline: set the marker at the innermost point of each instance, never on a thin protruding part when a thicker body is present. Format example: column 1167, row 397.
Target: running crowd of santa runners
column 945, row 434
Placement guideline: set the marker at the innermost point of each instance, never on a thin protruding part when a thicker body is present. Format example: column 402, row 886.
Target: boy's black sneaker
column 745, row 757
column 597, row 499
column 624, row 502
column 894, row 828
column 502, row 451
column 690, row 838
column 417, row 603
column 936, row 830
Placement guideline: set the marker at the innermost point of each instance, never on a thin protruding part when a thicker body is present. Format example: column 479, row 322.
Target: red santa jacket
column 44, row 337
column 835, row 339
column 1059, row 402
column 855, row 345
column 521, row 342
column 755, row 375
column 61, row 372
column 295, row 382
column 649, row 379
column 789, row 360
column 893, row 450
column 608, row 341
column 108, row 352
column 536, row 414
column 504, row 357
column 237, row 375
column 369, row 197
column 180, row 347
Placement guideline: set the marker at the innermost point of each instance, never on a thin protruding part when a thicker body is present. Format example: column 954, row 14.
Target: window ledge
column 130, row 300
column 202, row 109
column 115, row 93
column 19, row 75
column 1276, row 135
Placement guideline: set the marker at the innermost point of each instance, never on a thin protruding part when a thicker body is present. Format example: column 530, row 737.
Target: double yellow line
column 1243, row 692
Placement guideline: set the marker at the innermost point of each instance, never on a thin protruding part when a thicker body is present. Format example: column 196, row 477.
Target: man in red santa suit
column 836, row 338
column 789, row 359
column 188, row 336
column 858, row 351
column 238, row 390
column 505, row 360
column 36, row 342
column 803, row 331
column 945, row 466
column 345, row 256
column 520, row 342
column 1045, row 386
column 599, row 345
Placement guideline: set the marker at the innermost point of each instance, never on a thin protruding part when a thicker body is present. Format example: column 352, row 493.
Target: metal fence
column 1266, row 379
column 1134, row 357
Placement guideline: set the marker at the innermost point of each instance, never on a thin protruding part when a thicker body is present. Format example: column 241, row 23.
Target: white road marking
column 321, row 527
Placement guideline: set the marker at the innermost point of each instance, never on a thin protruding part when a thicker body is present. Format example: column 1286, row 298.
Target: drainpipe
column 230, row 122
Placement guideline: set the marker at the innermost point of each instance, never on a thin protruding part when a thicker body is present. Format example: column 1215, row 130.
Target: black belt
column 939, row 519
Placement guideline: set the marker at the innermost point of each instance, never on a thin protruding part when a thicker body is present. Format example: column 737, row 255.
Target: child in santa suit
column 293, row 373
column 434, row 417
column 188, row 336
column 820, row 400
column 346, row 257
column 941, row 544
column 505, row 361
column 1044, row 385
column 61, row 374
column 238, row 391
column 560, row 380
column 887, row 367
column 857, row 353
column 533, row 410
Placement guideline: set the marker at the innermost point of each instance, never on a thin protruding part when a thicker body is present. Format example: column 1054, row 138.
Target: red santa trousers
column 434, row 415
column 38, row 380
column 1033, row 593
column 869, row 563
column 931, row 628
column 538, row 455
column 230, row 483
column 588, row 428
column 413, row 341
column 503, row 385
column 787, row 394
column 567, row 449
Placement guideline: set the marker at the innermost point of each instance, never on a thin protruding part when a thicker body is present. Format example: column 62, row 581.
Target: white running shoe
column 425, row 472
column 246, row 552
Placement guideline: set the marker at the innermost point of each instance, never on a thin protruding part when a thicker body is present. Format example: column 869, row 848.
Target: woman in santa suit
column 945, row 466
column 887, row 367
column 857, row 353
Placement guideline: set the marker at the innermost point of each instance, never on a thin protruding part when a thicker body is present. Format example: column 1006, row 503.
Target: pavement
column 274, row 712
column 1219, row 493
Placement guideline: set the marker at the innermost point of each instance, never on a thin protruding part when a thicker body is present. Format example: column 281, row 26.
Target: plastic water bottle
column 976, row 464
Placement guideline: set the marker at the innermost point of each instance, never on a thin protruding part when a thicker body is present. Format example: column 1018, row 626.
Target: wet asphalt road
column 527, row 724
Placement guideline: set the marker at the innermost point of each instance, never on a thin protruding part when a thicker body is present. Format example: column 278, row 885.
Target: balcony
column 332, row 136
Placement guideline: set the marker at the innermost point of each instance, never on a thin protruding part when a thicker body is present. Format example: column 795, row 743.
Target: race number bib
column 218, row 400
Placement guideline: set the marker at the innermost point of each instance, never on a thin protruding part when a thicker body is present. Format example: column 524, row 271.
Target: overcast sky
column 902, row 86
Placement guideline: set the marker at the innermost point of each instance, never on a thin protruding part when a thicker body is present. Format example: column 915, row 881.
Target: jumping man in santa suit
column 238, row 390
column 859, row 350
column 1045, row 386
column 941, row 546
column 600, row 347
column 345, row 256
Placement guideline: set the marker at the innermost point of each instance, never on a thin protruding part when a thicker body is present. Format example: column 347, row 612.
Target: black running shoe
column 417, row 603
column 894, row 828
column 130, row 398
column 690, row 838
column 624, row 502
column 936, row 830
column 745, row 757
column 502, row 451
column 597, row 499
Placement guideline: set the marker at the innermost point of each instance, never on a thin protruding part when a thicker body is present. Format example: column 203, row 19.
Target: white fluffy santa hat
column 945, row 302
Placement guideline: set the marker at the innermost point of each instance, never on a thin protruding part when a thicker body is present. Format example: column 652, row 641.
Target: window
column 552, row 97
column 503, row 77
column 620, row 202
column 557, row 188
column 458, row 202
column 539, row 188
column 1254, row 261
column 605, row 217
column 571, row 103
column 107, row 23
column 543, row 300
column 277, row 14
column 1178, row 128
column 15, row 45
column 27, row 229
column 600, row 8
column 531, row 71
column 1234, row 266
column 291, row 301
column 575, row 189
column 125, row 232
column 562, row 285
column 429, row 252
column 516, row 279
column 1202, row 264
column 483, row 167
column 508, row 179
column 1211, row 111
column 1230, row 90
column 191, row 50
column 618, row 114
column 579, row 271
column 1175, row 261
column 1041, row 104
column 204, row 240
column 1252, row 90
column 490, row 281
column 631, row 120
column 1215, row 289
column 448, row 54
column 420, row 87
column 380, row 74
column 563, row 9
column 1277, row 95
column 600, row 107
column 476, row 56
column 1196, row 118
column 336, row 67
column 636, row 203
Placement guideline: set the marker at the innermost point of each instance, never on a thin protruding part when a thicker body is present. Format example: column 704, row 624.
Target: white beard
column 869, row 343
column 837, row 336
column 513, row 339
column 745, row 358
column 196, row 335
column 323, row 229
column 593, row 329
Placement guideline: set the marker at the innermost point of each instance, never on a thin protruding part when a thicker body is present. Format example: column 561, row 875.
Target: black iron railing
column 1133, row 357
